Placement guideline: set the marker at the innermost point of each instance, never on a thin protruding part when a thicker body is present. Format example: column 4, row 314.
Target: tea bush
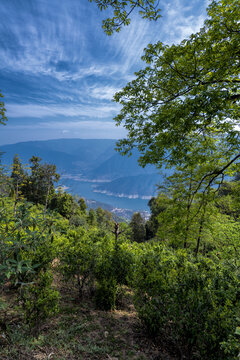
column 191, row 302
column 39, row 300
column 77, row 258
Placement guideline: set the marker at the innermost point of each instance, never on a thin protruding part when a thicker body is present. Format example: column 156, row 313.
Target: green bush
column 26, row 244
column 39, row 300
column 191, row 302
column 113, row 268
column 77, row 220
column 77, row 258
column 106, row 292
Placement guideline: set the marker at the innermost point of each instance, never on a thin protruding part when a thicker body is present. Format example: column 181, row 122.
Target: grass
column 80, row 332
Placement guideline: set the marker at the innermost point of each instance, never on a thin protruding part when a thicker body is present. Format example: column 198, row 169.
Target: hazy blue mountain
column 25, row 151
column 88, row 151
column 143, row 186
column 120, row 166
column 69, row 155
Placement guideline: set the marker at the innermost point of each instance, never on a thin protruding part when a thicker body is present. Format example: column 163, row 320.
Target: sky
column 59, row 71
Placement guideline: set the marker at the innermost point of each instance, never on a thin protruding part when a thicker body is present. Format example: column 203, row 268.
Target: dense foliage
column 190, row 300
column 193, row 303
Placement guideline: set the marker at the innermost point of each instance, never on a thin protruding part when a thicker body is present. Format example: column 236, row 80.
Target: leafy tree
column 104, row 218
column 189, row 201
column 77, row 258
column 137, row 225
column 26, row 243
column 40, row 183
column 33, row 190
column 82, row 204
column 3, row 120
column 91, row 218
column 49, row 176
column 122, row 10
column 156, row 205
column 100, row 213
column 63, row 203
column 5, row 187
column 223, row 237
column 112, row 269
column 188, row 94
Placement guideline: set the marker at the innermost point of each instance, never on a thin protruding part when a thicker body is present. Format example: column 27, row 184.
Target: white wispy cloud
column 103, row 92
column 130, row 42
column 55, row 41
column 69, row 125
column 45, row 36
column 68, row 110
column 180, row 21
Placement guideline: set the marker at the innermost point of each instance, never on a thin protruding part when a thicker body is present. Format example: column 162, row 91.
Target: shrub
column 40, row 300
column 113, row 268
column 106, row 292
column 77, row 258
column 193, row 302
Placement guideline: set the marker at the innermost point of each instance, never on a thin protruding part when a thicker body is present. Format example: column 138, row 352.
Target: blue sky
column 59, row 71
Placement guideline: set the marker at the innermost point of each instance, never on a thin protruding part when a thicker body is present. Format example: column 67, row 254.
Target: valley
column 93, row 169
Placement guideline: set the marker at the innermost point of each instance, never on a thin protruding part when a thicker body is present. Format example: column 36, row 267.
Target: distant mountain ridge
column 93, row 161
column 120, row 166
column 140, row 186
column 73, row 155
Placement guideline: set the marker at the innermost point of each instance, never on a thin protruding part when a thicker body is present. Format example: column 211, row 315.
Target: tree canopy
column 122, row 9
column 184, row 105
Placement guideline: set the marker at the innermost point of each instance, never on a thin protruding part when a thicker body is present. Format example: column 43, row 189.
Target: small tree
column 157, row 205
column 137, row 226
column 50, row 176
column 63, row 203
column 91, row 218
column 104, row 218
column 82, row 205
column 40, row 184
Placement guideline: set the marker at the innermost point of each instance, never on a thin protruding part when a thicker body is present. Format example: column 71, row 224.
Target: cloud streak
column 67, row 126
column 41, row 111
column 57, row 63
